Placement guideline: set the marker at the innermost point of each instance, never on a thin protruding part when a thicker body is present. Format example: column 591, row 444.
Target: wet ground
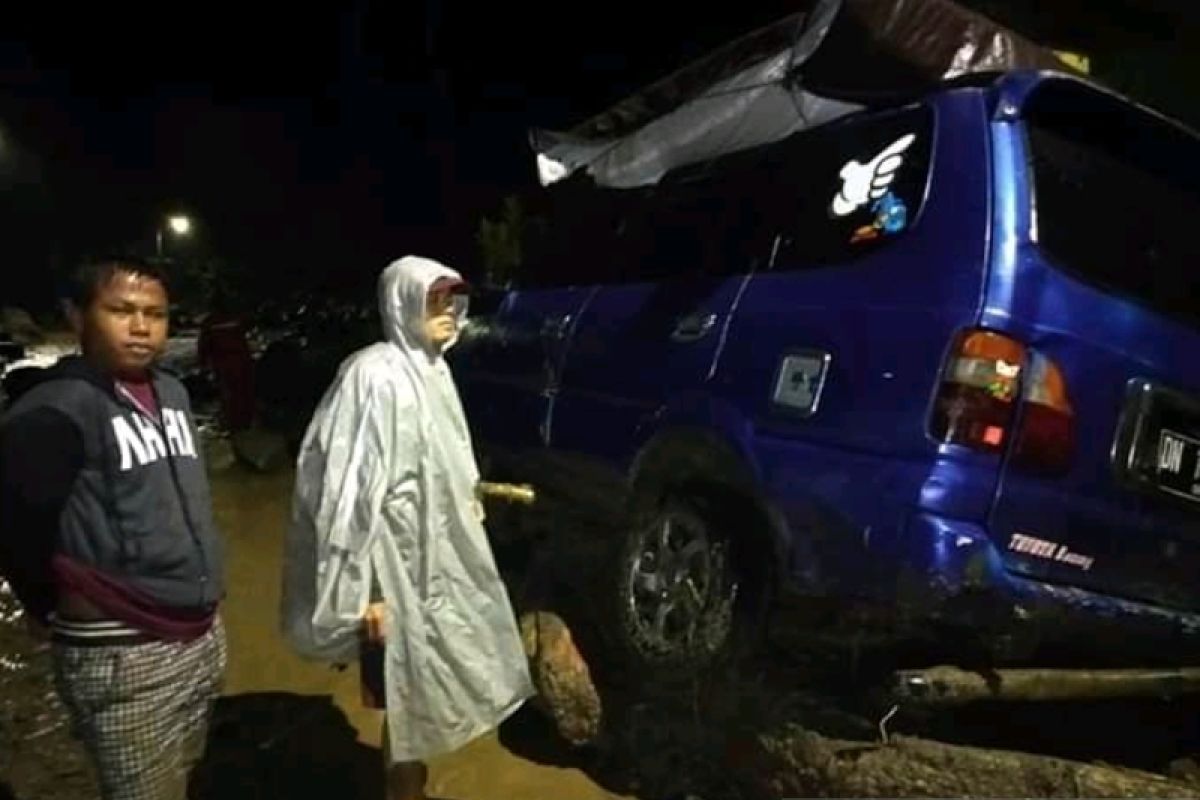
column 285, row 727
column 252, row 510
column 288, row 728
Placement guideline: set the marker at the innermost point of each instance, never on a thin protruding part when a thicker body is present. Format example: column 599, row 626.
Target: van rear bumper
column 953, row 573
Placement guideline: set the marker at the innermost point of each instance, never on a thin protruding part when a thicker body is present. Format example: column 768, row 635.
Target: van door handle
column 693, row 327
column 556, row 327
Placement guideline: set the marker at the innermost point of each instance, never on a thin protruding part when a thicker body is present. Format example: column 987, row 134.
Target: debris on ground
column 560, row 673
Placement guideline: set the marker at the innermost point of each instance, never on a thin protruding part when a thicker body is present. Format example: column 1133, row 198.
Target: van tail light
column 1045, row 440
column 977, row 402
column 977, row 396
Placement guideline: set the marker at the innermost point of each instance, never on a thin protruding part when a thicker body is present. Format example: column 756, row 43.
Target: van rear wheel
column 674, row 590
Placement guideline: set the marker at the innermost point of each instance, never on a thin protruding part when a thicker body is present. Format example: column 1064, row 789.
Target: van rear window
column 847, row 188
column 1117, row 197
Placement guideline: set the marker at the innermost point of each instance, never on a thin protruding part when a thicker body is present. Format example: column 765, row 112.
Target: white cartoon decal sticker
column 862, row 183
column 869, row 183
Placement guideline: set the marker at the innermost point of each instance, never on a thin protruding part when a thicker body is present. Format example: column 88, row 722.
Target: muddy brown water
column 289, row 728
column 285, row 727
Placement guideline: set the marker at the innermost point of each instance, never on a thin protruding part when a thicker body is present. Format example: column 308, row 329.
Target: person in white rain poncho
column 385, row 509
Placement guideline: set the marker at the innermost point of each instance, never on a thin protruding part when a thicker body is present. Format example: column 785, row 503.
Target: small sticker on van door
column 891, row 216
column 800, row 381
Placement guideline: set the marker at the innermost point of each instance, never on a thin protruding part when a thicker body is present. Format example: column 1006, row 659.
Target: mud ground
column 285, row 727
column 288, row 728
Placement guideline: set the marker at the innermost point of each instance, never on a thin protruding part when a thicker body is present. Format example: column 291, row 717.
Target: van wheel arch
column 700, row 484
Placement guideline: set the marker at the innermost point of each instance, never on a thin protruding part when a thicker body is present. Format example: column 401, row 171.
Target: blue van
column 939, row 360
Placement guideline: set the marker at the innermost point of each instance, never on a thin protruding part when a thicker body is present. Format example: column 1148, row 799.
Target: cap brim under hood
column 403, row 287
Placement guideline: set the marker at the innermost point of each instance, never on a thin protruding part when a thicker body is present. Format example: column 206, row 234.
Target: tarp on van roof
column 802, row 71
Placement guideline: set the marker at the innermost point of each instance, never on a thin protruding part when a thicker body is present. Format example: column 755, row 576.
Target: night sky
column 343, row 136
column 322, row 142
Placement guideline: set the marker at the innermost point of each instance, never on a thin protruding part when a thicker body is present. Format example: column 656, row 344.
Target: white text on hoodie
column 141, row 441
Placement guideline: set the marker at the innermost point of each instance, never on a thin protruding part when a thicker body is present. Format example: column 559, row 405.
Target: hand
column 480, row 511
column 374, row 622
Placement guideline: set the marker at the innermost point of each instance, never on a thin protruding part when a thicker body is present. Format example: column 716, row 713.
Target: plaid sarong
column 142, row 710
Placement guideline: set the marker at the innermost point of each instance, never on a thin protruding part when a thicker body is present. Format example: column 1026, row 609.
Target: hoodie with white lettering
column 88, row 475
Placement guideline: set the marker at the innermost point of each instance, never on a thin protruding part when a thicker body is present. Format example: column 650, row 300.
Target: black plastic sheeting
column 802, row 71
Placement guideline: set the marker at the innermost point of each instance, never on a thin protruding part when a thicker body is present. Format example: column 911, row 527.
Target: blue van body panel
column 870, row 504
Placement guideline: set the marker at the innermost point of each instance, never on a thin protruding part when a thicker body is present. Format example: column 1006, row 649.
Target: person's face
column 441, row 324
column 124, row 329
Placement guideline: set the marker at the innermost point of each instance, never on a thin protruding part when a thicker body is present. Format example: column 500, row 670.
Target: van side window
column 830, row 195
column 1116, row 196
column 851, row 187
column 688, row 231
column 573, row 245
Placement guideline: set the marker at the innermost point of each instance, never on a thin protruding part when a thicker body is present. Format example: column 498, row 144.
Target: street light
column 178, row 224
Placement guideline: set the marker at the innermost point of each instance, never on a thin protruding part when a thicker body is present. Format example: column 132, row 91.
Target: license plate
column 1177, row 469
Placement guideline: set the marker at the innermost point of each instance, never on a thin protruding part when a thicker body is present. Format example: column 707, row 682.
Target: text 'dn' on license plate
column 1177, row 469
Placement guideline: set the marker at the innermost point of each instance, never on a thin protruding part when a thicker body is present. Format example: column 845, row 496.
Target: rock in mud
column 564, row 682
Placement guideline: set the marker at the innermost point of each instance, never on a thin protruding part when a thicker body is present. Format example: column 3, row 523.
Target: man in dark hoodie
column 107, row 537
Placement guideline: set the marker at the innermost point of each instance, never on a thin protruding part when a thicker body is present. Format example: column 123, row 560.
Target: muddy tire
column 672, row 589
